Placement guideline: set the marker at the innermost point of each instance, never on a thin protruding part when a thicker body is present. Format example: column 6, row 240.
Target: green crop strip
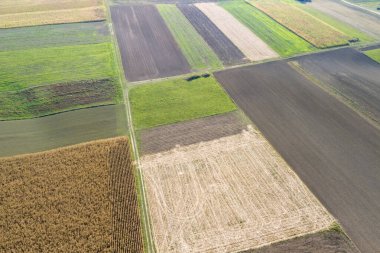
column 177, row 100
column 374, row 54
column 199, row 55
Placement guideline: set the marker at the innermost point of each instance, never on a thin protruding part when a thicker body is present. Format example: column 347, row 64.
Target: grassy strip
column 341, row 26
column 302, row 23
column 51, row 99
column 374, row 54
column 26, row 68
column 177, row 100
column 283, row 41
column 53, row 36
column 197, row 52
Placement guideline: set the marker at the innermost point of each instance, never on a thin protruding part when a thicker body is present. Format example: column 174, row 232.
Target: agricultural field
column 353, row 16
column 199, row 55
column 227, row 52
column 147, row 47
column 313, row 30
column 64, row 129
column 177, row 100
column 53, row 36
column 224, row 196
column 374, row 54
column 164, row 138
column 251, row 45
column 55, row 98
column 76, row 199
column 349, row 75
column 279, row 38
column 370, row 5
column 323, row 140
column 27, row 68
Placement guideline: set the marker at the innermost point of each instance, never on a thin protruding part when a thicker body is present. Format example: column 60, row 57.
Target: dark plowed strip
column 322, row 242
column 164, row 138
column 351, row 74
column 126, row 225
column 147, row 48
column 227, row 52
column 334, row 150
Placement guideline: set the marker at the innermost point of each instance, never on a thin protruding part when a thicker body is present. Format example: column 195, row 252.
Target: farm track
column 333, row 149
column 164, row 138
column 360, row 19
column 63, row 129
column 248, row 42
column 147, row 48
column 349, row 74
column 227, row 52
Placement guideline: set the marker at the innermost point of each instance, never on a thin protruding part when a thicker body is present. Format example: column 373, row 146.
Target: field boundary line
column 145, row 218
column 362, row 8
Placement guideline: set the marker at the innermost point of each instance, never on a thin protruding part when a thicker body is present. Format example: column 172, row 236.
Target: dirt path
column 251, row 45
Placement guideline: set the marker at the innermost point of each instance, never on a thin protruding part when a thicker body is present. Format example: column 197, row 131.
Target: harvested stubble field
column 40, row 134
column 177, row 100
column 195, row 49
column 251, row 45
column 53, row 36
column 334, row 150
column 227, row 52
column 283, row 41
column 76, row 199
column 164, row 138
column 227, row 195
column 50, row 99
column 147, row 47
column 41, row 66
column 353, row 16
column 303, row 24
column 350, row 75
column 52, row 17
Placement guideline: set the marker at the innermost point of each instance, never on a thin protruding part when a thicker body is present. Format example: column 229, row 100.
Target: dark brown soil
column 351, row 75
column 322, row 242
column 227, row 52
column 147, row 47
column 164, row 138
column 334, row 150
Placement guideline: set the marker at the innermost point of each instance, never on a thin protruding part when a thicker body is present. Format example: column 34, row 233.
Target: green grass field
column 341, row 26
column 374, row 54
column 199, row 55
column 177, row 100
column 50, row 99
column 283, row 41
column 27, row 68
column 53, row 36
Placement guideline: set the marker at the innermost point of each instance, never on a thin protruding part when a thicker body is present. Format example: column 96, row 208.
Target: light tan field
column 227, row 195
column 252, row 46
column 303, row 24
column 13, row 6
column 80, row 198
column 52, row 17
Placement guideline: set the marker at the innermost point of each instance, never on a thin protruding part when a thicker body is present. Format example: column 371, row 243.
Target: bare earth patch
column 251, row 45
column 231, row 194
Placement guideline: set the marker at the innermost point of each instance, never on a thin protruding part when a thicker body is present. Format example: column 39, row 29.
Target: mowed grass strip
column 302, row 23
column 197, row 52
column 279, row 38
column 53, row 35
column 26, row 68
column 95, row 13
column 50, row 99
column 374, row 54
column 177, row 100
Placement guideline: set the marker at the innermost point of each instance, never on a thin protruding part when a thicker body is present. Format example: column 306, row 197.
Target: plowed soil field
column 147, row 47
column 248, row 42
column 227, row 52
column 227, row 195
column 334, row 150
